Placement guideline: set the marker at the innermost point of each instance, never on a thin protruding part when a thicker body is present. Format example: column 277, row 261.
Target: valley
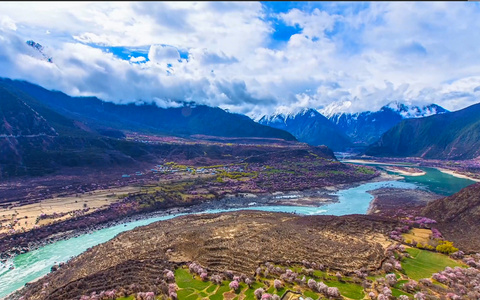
column 259, row 150
column 312, row 202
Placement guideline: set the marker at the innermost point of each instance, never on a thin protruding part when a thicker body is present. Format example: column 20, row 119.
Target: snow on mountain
column 366, row 127
column 408, row 112
column 362, row 128
column 335, row 108
column 38, row 51
column 282, row 115
column 308, row 126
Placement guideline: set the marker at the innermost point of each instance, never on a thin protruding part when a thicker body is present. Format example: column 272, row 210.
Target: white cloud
column 137, row 59
column 413, row 52
column 163, row 54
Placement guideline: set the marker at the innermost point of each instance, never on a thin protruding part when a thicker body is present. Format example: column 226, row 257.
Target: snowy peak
column 335, row 108
column 38, row 51
column 282, row 116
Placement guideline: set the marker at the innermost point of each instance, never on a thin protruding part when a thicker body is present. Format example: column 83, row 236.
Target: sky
column 252, row 58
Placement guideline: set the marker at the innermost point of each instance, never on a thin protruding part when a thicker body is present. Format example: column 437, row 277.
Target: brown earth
column 400, row 202
column 237, row 241
column 458, row 217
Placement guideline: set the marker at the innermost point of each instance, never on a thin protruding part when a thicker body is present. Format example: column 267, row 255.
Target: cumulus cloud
column 358, row 57
column 138, row 59
column 163, row 54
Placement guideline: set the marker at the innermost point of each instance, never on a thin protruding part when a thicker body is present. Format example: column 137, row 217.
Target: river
column 34, row 264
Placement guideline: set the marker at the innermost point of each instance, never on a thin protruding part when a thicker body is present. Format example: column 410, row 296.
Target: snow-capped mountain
column 411, row 111
column 339, row 130
column 365, row 128
column 38, row 51
column 309, row 126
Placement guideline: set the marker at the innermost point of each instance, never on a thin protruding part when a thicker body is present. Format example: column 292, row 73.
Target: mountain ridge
column 453, row 135
column 309, row 126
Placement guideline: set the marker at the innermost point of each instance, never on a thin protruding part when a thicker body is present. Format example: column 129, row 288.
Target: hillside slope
column 458, row 217
column 237, row 241
column 454, row 135
column 181, row 121
column 310, row 127
column 365, row 128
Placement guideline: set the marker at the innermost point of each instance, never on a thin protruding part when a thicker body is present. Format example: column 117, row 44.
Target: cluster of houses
column 170, row 169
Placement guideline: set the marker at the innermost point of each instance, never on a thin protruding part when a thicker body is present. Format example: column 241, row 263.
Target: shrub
column 446, row 247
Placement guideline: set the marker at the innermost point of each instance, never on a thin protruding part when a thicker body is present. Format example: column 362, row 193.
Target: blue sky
column 249, row 57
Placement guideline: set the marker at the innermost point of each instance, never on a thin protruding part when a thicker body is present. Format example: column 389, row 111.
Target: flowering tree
column 172, row 290
column 388, row 267
column 217, row 279
column 339, row 276
column 169, row 275
column 277, row 284
column 258, row 293
column 382, row 297
column 333, row 292
column 234, row 285
column 387, row 292
column 110, row 294
column 391, row 279
column 312, row 284
column 419, row 296
column 322, row 287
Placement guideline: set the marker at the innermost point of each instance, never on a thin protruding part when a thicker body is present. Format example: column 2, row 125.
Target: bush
column 446, row 247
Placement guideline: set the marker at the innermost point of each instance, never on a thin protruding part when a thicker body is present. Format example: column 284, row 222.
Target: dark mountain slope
column 309, row 126
column 454, row 135
column 458, row 217
column 367, row 127
column 181, row 121
column 17, row 118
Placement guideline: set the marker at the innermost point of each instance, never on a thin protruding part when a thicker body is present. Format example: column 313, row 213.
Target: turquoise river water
column 34, row 264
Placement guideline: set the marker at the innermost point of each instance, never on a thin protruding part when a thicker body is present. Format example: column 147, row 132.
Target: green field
column 424, row 263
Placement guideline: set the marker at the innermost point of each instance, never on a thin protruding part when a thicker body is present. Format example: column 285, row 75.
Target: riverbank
column 308, row 198
column 465, row 169
column 407, row 171
column 373, row 162
column 393, row 202
column 458, row 175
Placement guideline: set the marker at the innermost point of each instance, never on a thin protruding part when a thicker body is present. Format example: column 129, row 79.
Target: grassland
column 424, row 263
column 191, row 287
